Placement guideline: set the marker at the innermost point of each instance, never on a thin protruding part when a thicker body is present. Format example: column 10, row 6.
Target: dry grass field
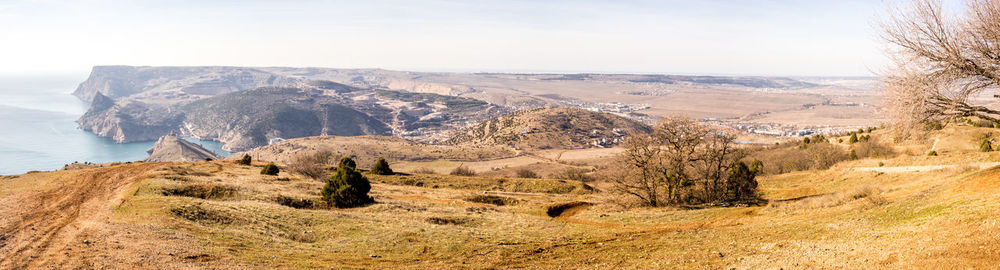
column 222, row 215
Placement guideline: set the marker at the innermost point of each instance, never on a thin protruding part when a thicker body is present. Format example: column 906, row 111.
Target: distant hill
column 251, row 118
column 563, row 128
column 365, row 149
column 170, row 148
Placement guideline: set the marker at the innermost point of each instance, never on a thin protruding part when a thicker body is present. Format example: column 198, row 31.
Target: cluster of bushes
column 313, row 165
column 817, row 138
column 785, row 158
column 683, row 162
column 573, row 174
column 463, row 171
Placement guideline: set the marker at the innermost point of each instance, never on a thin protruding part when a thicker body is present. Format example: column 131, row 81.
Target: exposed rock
column 561, row 128
column 247, row 119
column 171, row 148
column 243, row 108
column 128, row 121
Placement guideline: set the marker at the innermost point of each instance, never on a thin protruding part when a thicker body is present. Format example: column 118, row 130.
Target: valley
column 243, row 107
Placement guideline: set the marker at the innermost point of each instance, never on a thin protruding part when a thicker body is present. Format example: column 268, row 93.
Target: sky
column 711, row 37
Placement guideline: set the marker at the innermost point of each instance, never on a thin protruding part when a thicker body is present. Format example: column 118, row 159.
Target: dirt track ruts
column 42, row 224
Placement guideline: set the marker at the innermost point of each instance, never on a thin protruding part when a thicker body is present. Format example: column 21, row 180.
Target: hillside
column 172, row 148
column 252, row 118
column 914, row 211
column 558, row 128
column 367, row 149
column 425, row 106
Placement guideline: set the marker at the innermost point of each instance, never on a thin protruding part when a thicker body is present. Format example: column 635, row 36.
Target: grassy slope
column 832, row 218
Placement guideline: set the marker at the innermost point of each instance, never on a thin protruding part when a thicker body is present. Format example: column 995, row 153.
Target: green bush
column 932, row 153
column 853, row 139
column 381, row 167
column 270, row 169
column 985, row 146
column 853, row 155
column 245, row 160
column 805, row 140
column 741, row 184
column 347, row 188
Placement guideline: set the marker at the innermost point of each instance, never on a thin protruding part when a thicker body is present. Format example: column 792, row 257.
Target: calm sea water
column 38, row 132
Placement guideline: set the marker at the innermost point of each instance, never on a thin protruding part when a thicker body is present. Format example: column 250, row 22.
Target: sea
column 38, row 131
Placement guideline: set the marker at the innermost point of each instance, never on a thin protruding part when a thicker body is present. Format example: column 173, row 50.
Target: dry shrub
column 177, row 178
column 423, row 170
column 862, row 192
column 573, row 174
column 463, row 171
column 964, row 168
column 312, row 165
column 492, row 199
column 873, row 149
column 526, row 173
column 297, row 203
column 789, row 158
column 300, row 236
column 449, row 220
column 178, row 170
column 202, row 214
column 201, row 191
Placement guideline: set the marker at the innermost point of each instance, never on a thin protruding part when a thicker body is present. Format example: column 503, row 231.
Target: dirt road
column 39, row 228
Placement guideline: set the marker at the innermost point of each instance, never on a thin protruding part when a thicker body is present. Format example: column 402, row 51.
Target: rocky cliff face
column 147, row 103
column 255, row 117
column 171, row 148
column 128, row 121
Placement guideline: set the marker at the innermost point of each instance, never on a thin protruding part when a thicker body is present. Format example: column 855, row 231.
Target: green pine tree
column 853, row 139
column 347, row 188
column 853, row 155
column 245, row 160
column 381, row 167
column 270, row 169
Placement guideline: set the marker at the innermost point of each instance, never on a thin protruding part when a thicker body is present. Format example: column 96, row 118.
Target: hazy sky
column 804, row 37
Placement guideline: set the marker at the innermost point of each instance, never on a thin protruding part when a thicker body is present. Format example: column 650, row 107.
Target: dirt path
column 924, row 168
column 43, row 224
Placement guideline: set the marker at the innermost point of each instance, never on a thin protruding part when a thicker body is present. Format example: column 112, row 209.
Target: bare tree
column 941, row 62
column 638, row 173
column 681, row 161
column 311, row 164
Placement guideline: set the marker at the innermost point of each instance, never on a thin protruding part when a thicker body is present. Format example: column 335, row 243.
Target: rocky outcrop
column 171, row 148
column 252, row 118
column 559, row 128
column 128, row 121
